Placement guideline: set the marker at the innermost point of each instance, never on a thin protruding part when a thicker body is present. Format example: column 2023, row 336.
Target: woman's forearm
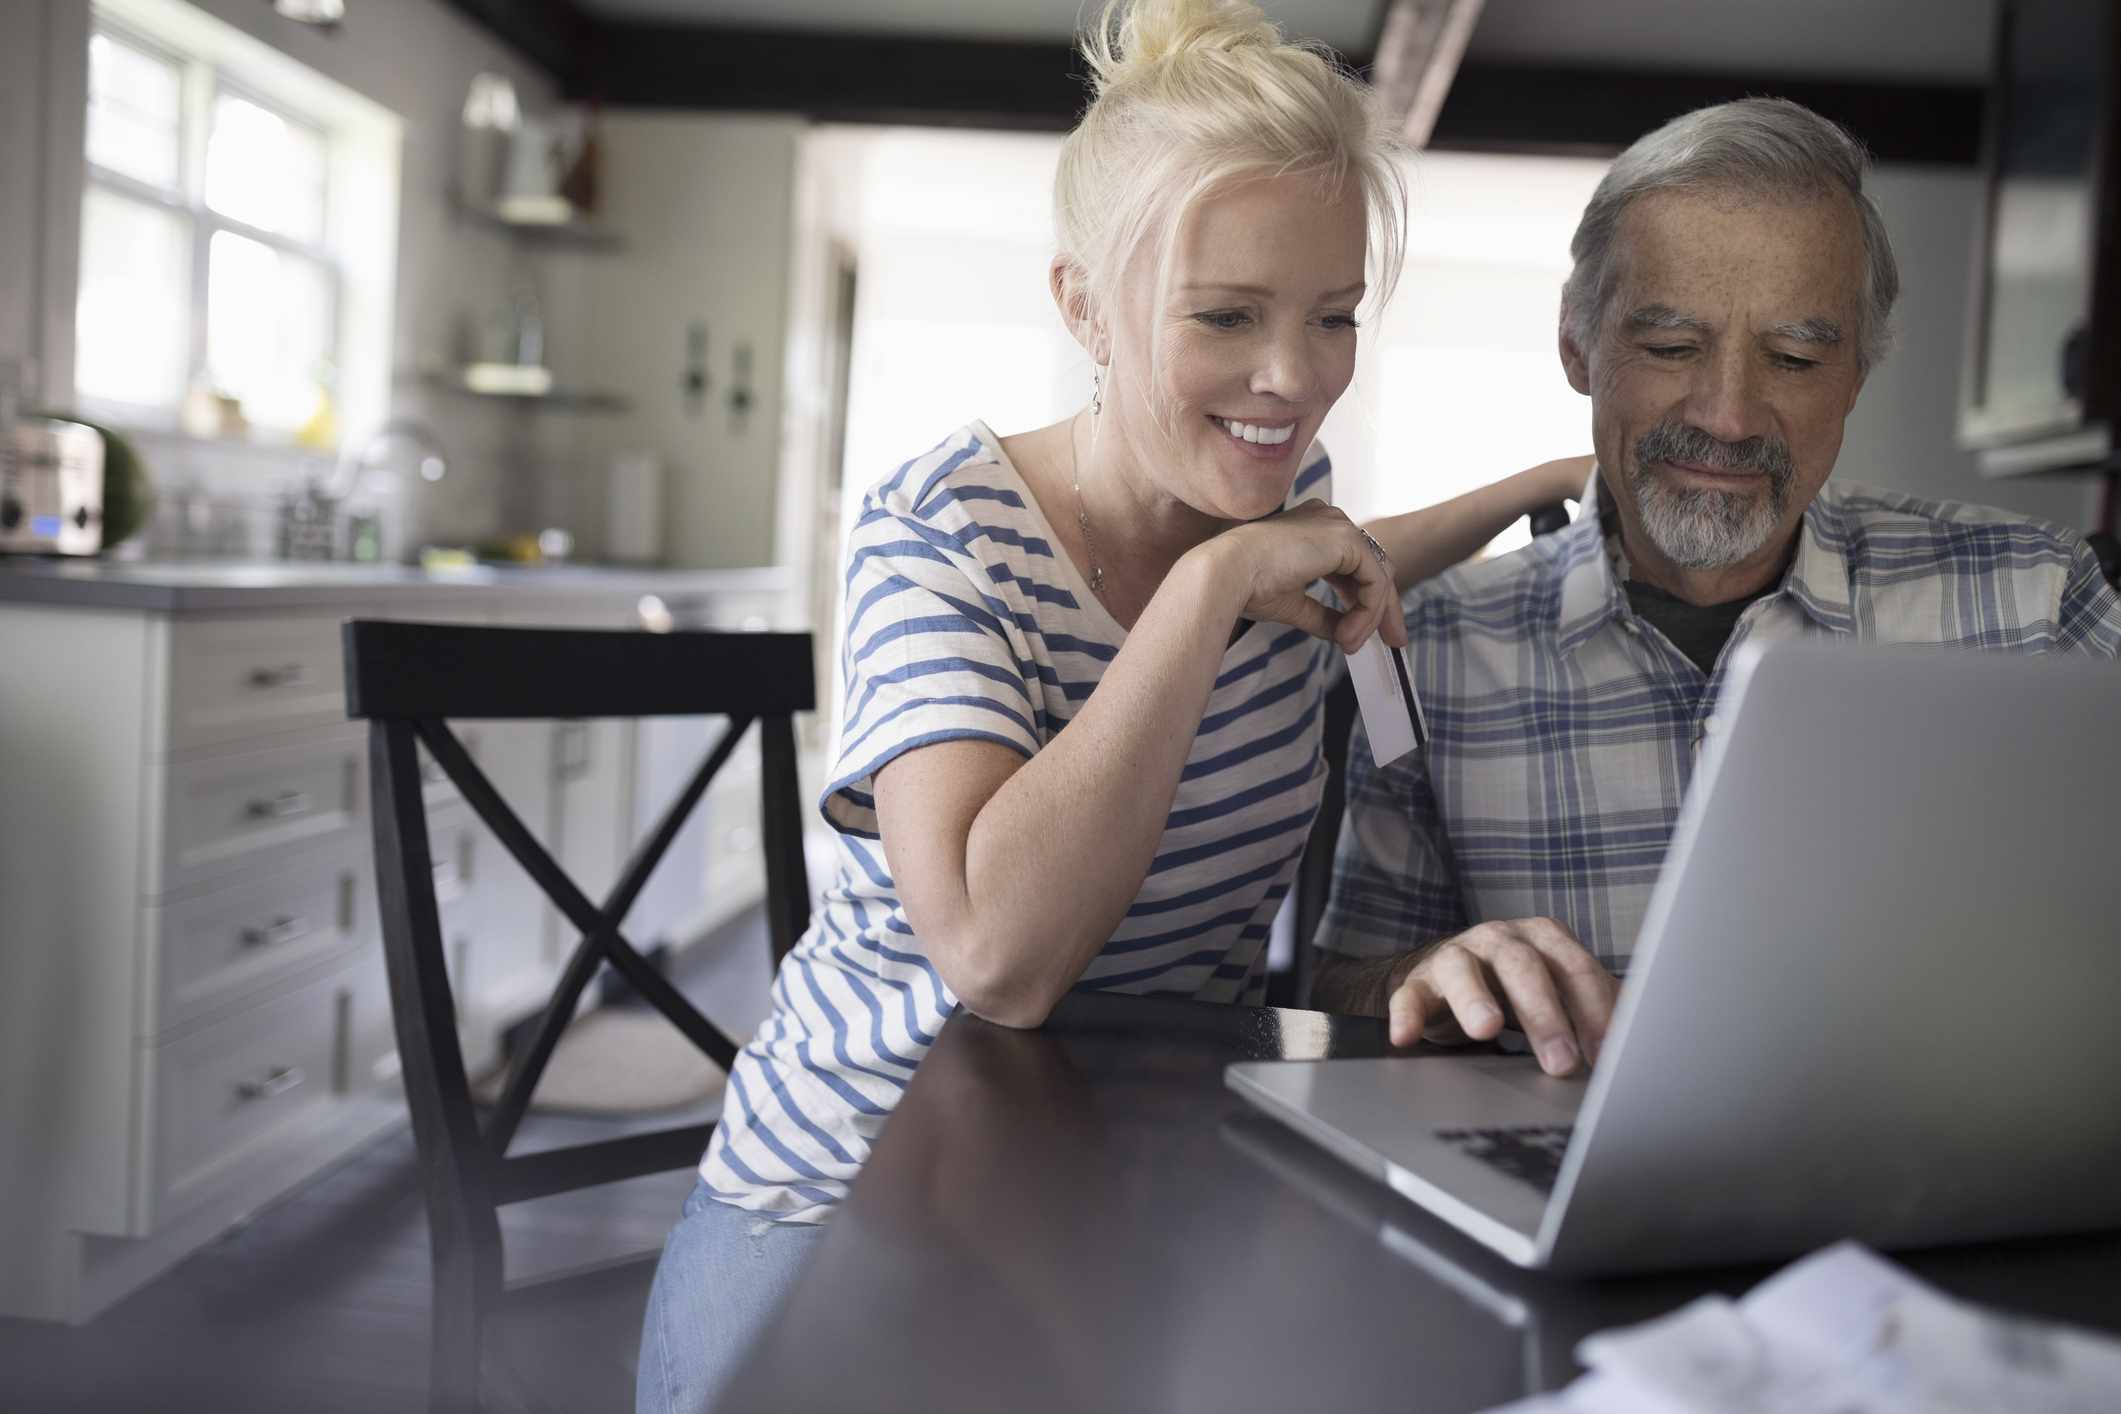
column 1055, row 857
column 1427, row 542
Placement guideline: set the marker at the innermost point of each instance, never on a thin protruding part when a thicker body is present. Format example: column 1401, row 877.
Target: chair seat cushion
column 619, row 1061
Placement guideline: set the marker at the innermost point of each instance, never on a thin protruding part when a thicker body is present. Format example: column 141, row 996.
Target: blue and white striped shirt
column 966, row 622
column 1564, row 728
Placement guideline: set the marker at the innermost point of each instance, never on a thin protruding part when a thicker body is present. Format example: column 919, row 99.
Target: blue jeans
column 723, row 1275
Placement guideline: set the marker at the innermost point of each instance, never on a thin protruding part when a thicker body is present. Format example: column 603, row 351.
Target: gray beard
column 1699, row 528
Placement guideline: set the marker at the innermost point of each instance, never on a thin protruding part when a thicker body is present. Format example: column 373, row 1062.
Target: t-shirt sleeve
column 1393, row 884
column 929, row 657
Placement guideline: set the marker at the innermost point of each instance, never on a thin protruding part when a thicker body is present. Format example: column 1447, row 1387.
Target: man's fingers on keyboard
column 1462, row 981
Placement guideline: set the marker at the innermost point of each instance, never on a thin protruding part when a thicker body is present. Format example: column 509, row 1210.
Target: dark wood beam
column 884, row 78
column 1597, row 112
column 553, row 34
column 959, row 82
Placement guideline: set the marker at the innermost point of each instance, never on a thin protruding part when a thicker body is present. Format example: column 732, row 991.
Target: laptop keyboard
column 1530, row 1153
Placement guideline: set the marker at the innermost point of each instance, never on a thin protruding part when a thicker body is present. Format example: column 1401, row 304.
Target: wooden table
column 1084, row 1218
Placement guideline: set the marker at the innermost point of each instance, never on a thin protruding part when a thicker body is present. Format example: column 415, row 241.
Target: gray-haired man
column 1733, row 287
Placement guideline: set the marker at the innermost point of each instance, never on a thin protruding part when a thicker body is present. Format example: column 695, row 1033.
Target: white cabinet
column 193, row 1009
column 241, row 940
column 237, row 812
column 217, row 1096
column 234, row 679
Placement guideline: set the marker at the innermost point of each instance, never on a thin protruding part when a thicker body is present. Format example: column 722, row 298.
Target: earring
column 1097, row 391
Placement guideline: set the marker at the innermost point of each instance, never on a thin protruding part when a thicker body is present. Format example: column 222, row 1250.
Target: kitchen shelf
column 2082, row 452
column 553, row 399
column 573, row 234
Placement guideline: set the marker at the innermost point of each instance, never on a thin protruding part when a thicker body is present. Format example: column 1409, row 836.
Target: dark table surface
column 1084, row 1218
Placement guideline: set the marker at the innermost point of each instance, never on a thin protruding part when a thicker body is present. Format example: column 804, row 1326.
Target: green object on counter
column 128, row 491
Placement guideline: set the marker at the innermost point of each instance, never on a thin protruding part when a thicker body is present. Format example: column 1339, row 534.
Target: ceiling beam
column 1597, row 112
column 1419, row 45
column 836, row 77
column 897, row 78
column 551, row 33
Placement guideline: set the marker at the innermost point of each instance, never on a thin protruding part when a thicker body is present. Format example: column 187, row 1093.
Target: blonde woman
column 1084, row 664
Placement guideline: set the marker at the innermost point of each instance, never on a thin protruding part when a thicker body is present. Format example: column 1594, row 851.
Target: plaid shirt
column 1564, row 728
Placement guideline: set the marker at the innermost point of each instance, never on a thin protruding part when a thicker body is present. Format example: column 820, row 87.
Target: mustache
column 1682, row 441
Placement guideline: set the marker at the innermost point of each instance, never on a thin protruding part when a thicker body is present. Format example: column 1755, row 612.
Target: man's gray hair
column 1765, row 146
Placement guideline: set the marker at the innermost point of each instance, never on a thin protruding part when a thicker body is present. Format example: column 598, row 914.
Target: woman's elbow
column 1004, row 995
column 1015, row 1013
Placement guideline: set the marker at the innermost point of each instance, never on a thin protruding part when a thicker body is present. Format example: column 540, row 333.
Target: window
column 1458, row 381
column 203, row 242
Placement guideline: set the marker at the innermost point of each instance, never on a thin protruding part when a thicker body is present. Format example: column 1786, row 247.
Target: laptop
column 1876, row 994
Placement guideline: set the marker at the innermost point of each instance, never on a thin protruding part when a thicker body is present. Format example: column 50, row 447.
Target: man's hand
column 1531, row 970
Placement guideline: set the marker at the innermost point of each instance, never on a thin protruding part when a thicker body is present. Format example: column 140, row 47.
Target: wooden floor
column 319, row 1304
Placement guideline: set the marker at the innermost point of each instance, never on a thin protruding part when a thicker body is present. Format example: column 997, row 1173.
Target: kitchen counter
column 208, row 586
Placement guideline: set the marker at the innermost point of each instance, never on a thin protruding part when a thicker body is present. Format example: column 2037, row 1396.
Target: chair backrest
column 2108, row 548
column 407, row 680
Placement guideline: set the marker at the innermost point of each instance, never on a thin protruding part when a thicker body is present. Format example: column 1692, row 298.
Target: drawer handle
column 279, row 807
column 573, row 747
column 281, row 931
column 285, row 675
column 277, row 1081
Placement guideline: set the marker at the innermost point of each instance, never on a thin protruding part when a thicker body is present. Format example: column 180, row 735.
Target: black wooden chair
column 407, row 680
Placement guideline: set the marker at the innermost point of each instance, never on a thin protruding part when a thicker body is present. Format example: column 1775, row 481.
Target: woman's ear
column 1070, row 286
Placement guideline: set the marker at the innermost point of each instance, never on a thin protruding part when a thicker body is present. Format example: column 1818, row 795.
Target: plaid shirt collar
column 1586, row 592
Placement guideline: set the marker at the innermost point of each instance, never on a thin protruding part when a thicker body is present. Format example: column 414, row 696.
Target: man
column 1732, row 288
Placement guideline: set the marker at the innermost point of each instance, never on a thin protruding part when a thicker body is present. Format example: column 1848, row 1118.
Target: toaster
column 51, row 487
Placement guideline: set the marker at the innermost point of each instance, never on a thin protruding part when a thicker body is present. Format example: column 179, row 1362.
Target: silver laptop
column 1877, row 992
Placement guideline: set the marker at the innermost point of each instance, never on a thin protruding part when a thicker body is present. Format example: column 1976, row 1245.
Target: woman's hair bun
column 1134, row 36
column 1193, row 96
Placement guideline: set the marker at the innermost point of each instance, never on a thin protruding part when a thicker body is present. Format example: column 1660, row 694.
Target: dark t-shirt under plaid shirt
column 1564, row 727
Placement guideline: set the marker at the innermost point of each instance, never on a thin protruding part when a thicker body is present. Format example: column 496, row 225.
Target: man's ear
column 1071, row 295
column 1862, row 377
column 1574, row 361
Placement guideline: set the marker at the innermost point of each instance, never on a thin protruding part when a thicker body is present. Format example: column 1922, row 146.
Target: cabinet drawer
column 216, row 948
column 259, row 1079
column 240, row 677
column 222, row 813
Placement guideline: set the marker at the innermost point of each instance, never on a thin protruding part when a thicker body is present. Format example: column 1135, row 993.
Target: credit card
column 1384, row 690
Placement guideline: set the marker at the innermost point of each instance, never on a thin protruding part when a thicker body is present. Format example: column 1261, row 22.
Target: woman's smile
column 1267, row 441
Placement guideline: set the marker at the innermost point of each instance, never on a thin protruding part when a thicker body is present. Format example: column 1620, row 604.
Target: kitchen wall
column 23, row 28
column 1903, row 432
column 415, row 58
column 703, row 204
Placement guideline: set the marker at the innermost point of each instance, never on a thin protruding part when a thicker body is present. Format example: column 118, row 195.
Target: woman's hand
column 1271, row 562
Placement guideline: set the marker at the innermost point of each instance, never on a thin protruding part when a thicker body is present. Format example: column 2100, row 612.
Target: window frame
column 201, row 83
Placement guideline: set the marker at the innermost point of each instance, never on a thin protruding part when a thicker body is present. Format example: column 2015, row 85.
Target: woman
column 1084, row 664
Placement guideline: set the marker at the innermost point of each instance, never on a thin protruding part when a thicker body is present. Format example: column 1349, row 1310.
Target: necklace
column 1082, row 516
